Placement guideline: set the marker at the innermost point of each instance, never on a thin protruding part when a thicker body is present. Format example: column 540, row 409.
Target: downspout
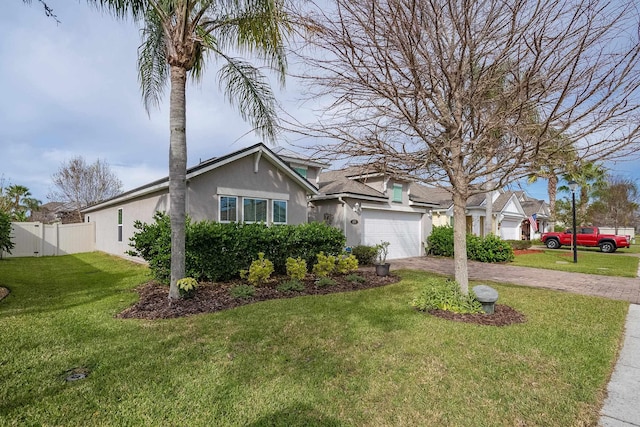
column 344, row 215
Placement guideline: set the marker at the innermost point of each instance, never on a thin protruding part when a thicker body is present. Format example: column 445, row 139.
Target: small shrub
column 445, row 294
column 366, row 255
column 382, row 250
column 324, row 282
column 291, row 285
column 296, row 268
column 519, row 244
column 187, row 287
column 494, row 249
column 347, row 264
column 325, row 266
column 440, row 242
column 356, row 278
column 259, row 272
column 242, row 291
column 5, row 233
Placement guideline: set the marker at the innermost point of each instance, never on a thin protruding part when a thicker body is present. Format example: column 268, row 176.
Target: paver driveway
column 619, row 288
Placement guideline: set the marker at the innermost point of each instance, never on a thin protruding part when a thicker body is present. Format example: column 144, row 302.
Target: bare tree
column 84, row 184
column 456, row 91
column 48, row 11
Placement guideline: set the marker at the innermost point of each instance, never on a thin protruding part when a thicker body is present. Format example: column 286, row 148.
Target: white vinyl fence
column 37, row 239
column 622, row 231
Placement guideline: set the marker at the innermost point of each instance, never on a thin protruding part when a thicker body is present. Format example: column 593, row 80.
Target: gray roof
column 338, row 182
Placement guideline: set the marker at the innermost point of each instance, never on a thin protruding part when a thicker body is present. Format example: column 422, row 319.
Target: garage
column 401, row 229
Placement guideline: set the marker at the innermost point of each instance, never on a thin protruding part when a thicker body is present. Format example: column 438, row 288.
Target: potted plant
column 382, row 266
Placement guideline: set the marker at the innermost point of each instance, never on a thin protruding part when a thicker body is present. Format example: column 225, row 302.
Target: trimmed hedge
column 485, row 249
column 217, row 252
column 366, row 255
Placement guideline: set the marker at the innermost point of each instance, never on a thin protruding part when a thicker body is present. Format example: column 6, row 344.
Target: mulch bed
column 213, row 297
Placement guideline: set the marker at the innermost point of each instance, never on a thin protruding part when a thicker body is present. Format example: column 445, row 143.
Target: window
column 254, row 210
column 301, row 171
column 228, row 209
column 119, row 225
column 397, row 192
column 279, row 212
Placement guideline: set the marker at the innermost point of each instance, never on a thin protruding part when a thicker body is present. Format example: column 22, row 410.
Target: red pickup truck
column 586, row 236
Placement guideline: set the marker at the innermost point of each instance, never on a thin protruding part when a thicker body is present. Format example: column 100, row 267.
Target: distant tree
column 20, row 203
column 550, row 164
column 84, row 184
column 591, row 178
column 5, row 233
column 462, row 93
column 615, row 204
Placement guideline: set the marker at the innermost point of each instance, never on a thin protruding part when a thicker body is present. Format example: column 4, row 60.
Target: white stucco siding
column 106, row 221
column 403, row 230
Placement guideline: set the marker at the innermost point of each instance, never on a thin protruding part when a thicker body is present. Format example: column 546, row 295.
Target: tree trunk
column 488, row 222
column 177, row 176
column 552, row 190
column 460, row 240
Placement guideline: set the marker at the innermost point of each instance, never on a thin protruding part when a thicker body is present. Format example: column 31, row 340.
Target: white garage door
column 400, row 229
column 510, row 230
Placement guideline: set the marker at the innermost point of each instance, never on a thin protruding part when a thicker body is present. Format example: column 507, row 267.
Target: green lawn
column 590, row 261
column 361, row 358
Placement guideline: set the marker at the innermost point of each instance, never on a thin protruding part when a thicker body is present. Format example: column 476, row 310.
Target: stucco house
column 371, row 207
column 249, row 185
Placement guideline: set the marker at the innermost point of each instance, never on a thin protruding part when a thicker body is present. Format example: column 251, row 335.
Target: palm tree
column 551, row 162
column 20, row 202
column 590, row 177
column 177, row 36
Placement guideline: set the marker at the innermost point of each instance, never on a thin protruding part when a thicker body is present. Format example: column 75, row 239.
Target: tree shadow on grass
column 296, row 416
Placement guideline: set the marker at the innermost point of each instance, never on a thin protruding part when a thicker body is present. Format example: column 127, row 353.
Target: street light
column 574, row 186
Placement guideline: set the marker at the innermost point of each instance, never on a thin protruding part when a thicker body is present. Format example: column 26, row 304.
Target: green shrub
column 325, row 266
column 490, row 248
column 259, row 272
column 5, row 233
column 187, row 287
column 347, row 264
column 217, row 252
column 440, row 242
column 296, row 268
column 291, row 285
column 356, row 278
column 152, row 242
column 366, row 255
column 242, row 291
column 519, row 244
column 494, row 249
column 445, row 294
column 324, row 282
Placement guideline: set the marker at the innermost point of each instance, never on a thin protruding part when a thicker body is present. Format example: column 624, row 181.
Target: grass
column 360, row 358
column 590, row 261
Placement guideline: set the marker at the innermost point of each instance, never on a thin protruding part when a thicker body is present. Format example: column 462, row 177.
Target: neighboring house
column 372, row 207
column 52, row 212
column 512, row 212
column 249, row 185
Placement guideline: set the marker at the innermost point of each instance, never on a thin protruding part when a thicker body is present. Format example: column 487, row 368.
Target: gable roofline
column 204, row 167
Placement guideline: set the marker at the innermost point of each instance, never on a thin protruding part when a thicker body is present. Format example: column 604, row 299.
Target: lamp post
column 574, row 186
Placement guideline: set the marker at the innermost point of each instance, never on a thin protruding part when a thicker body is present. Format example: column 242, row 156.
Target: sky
column 70, row 89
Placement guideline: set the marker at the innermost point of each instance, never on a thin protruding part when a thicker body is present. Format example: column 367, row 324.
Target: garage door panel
column 400, row 229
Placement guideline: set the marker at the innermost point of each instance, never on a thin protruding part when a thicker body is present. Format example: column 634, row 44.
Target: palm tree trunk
column 177, row 176
column 552, row 190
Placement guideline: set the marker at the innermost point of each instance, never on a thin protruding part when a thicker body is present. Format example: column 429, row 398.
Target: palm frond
column 246, row 86
column 257, row 27
column 123, row 8
column 153, row 69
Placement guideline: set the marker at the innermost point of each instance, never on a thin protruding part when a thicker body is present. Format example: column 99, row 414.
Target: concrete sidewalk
column 622, row 405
